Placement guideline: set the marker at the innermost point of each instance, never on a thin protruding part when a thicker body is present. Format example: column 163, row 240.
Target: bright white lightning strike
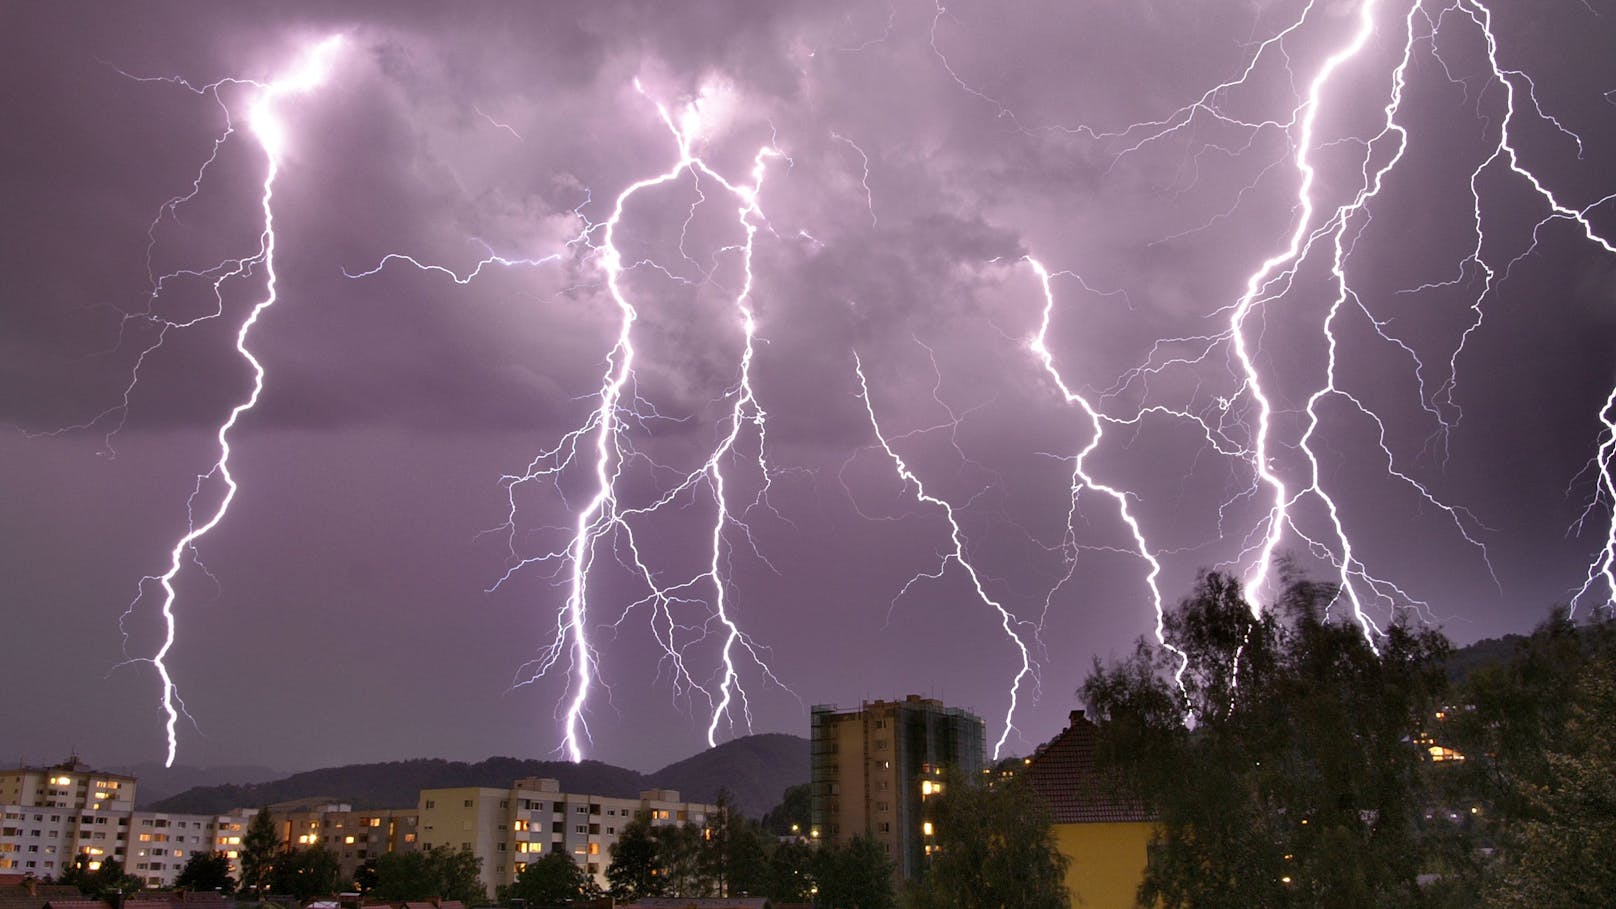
column 311, row 71
column 601, row 446
column 1081, row 478
column 956, row 555
column 1275, row 446
column 604, row 515
column 1317, row 225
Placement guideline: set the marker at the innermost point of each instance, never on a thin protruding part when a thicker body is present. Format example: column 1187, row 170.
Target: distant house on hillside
column 1104, row 834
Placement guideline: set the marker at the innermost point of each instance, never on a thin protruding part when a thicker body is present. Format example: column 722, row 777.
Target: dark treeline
column 1302, row 758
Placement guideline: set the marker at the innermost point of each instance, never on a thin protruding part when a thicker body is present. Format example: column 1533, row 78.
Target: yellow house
column 1106, row 837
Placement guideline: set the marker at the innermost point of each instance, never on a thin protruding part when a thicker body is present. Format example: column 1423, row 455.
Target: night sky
column 357, row 602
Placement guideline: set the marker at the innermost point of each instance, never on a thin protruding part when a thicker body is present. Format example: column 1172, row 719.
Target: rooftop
column 1067, row 776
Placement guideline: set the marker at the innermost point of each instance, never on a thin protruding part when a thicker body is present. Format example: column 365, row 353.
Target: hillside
column 158, row 782
column 756, row 769
column 1485, row 652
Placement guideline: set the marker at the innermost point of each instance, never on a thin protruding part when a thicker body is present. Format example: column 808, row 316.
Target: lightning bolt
column 956, row 555
column 1246, row 425
column 267, row 126
column 603, row 446
column 1081, row 478
column 1276, row 436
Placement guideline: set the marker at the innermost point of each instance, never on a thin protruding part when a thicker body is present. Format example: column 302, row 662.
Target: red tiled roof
column 1067, row 777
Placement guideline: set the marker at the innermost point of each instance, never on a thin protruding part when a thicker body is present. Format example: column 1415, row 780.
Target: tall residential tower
column 875, row 767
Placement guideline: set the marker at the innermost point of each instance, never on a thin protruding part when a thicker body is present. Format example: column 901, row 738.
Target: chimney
column 1076, row 717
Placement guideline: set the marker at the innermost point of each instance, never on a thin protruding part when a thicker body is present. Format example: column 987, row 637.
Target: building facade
column 51, row 815
column 874, row 768
column 507, row 828
column 355, row 837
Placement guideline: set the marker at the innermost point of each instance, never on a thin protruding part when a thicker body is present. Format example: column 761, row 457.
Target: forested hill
column 756, row 770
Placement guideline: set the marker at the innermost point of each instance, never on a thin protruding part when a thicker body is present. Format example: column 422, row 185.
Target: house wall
column 1107, row 862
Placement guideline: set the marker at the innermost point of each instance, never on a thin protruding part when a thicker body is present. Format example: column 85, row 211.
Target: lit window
column 926, row 828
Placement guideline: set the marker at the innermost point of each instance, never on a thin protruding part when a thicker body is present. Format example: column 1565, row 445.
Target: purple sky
column 345, row 612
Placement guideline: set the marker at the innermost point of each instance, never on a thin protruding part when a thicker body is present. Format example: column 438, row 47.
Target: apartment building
column 51, row 815
column 507, row 828
column 355, row 837
column 874, row 768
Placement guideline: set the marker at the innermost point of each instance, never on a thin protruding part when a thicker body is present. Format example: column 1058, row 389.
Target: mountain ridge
column 756, row 769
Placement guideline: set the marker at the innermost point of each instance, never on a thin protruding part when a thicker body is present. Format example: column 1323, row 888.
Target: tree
column 551, row 881
column 1561, row 855
column 854, row 875
column 105, row 878
column 632, row 874
column 305, row 873
column 459, row 874
column 1284, row 770
column 258, row 848
column 790, row 874
column 1536, row 769
column 790, row 817
column 437, row 873
column 207, row 871
column 1516, row 711
column 727, row 857
column 746, row 862
column 995, row 849
column 680, row 859
column 734, row 857
column 365, row 876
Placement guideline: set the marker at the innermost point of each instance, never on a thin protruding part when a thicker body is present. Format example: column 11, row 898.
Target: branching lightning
column 1282, row 438
column 267, row 126
column 1245, row 427
column 955, row 555
column 604, row 525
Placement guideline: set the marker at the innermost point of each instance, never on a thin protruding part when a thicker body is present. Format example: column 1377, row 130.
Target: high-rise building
column 874, row 768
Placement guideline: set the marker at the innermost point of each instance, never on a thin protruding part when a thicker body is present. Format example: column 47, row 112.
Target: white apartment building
column 50, row 815
column 507, row 828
